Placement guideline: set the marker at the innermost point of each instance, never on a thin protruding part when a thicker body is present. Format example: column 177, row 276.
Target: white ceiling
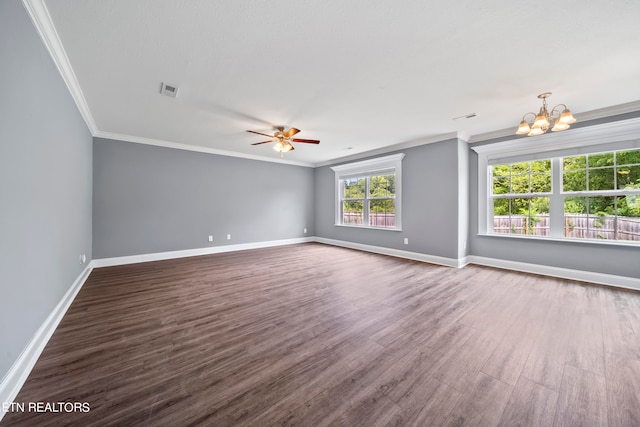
column 359, row 75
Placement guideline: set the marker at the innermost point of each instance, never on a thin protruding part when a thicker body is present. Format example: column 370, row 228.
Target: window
column 583, row 185
column 368, row 193
column 521, row 197
column 601, row 195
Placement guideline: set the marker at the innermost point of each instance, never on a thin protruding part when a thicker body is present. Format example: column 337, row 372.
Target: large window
column 601, row 193
column 368, row 193
column 590, row 196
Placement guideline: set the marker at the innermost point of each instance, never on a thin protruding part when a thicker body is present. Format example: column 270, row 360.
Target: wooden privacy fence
column 575, row 225
column 375, row 219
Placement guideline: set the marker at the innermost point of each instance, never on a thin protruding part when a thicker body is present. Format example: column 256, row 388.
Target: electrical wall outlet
column 305, row 231
column 211, row 238
column 406, row 240
column 83, row 259
column 228, row 236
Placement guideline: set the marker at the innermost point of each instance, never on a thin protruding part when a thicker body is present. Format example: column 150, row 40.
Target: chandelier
column 560, row 116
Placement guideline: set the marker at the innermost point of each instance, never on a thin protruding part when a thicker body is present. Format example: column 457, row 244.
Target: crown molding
column 586, row 116
column 390, row 148
column 196, row 148
column 490, row 135
column 41, row 19
column 623, row 130
column 614, row 110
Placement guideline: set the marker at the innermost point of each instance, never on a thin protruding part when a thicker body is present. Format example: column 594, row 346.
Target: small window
column 368, row 193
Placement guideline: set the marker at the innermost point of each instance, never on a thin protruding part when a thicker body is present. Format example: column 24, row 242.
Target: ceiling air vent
column 167, row 90
column 466, row 116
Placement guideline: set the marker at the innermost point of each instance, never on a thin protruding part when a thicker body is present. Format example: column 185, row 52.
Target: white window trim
column 627, row 131
column 369, row 167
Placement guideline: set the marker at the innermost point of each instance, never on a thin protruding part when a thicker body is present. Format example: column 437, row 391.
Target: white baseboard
column 563, row 273
column 433, row 259
column 545, row 270
column 159, row 256
column 17, row 375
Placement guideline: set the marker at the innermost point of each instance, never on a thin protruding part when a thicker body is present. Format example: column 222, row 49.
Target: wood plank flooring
column 315, row 335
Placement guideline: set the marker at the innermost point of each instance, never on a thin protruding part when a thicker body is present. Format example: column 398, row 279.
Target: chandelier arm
column 555, row 111
column 532, row 113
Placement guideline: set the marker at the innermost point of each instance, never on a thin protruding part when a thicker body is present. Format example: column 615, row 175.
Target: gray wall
column 45, row 184
column 150, row 199
column 430, row 205
column 584, row 256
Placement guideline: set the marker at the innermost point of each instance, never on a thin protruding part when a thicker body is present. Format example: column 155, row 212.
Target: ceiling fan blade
column 307, row 141
column 258, row 133
column 263, row 142
column 291, row 132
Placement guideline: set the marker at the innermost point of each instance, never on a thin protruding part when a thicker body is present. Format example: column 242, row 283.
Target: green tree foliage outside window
column 601, row 172
column 522, row 178
column 519, row 182
column 600, row 193
column 376, row 193
column 382, row 191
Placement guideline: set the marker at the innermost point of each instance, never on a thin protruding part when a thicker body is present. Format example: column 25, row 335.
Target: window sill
column 366, row 227
column 556, row 239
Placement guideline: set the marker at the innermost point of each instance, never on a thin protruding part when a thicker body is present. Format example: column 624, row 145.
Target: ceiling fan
column 283, row 140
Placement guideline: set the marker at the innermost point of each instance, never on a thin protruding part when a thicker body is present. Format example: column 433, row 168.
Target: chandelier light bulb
column 524, row 128
column 541, row 118
column 536, row 130
column 559, row 126
column 566, row 117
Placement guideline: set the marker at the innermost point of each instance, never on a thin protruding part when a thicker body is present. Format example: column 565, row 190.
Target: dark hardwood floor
column 314, row 335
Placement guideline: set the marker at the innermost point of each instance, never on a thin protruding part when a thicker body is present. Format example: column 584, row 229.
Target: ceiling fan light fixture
column 560, row 117
column 282, row 146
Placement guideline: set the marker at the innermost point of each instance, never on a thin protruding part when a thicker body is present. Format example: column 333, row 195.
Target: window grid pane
column 382, row 186
column 353, row 212
column 382, row 213
column 602, row 171
column 604, row 218
column 529, row 216
column 353, row 188
column 522, row 178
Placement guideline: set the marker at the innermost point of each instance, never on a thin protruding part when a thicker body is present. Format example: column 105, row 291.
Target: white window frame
column 367, row 168
column 614, row 136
